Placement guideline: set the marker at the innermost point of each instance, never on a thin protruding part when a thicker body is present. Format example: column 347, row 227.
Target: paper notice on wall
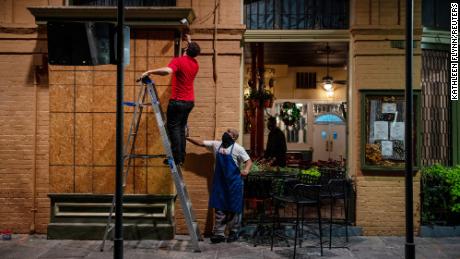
column 387, row 148
column 397, row 131
column 388, row 107
column 381, row 130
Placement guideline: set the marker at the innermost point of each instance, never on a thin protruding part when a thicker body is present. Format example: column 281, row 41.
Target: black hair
column 193, row 49
column 272, row 119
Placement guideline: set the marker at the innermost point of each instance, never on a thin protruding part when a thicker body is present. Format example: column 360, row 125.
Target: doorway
column 329, row 138
column 313, row 76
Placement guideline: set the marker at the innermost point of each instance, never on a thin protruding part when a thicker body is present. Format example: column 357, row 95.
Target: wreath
column 290, row 114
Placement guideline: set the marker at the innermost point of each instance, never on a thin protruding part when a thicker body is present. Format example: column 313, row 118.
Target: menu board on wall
column 383, row 124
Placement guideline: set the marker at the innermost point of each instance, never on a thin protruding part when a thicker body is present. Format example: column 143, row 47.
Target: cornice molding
column 135, row 16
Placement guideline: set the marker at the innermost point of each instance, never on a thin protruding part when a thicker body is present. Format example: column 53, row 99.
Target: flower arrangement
column 290, row 114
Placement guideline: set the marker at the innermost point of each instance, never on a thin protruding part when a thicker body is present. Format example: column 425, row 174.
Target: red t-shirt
column 184, row 70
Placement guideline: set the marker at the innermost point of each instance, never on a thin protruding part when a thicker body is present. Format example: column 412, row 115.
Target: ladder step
column 145, row 156
column 134, row 104
column 130, row 104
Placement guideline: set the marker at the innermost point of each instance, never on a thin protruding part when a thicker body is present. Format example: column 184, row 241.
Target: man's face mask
column 227, row 140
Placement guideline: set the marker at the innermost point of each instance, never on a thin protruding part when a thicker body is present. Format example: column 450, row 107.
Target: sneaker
column 217, row 239
column 232, row 237
column 166, row 162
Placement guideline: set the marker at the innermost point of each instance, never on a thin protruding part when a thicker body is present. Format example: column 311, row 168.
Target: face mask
column 227, row 140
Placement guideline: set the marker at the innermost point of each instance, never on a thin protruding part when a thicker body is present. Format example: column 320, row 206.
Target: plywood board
column 161, row 43
column 140, row 44
column 129, row 188
column 61, row 179
column 61, row 97
column 140, row 180
column 84, row 139
column 105, row 78
column 154, row 141
column 105, row 98
column 83, row 179
column 159, row 180
column 104, row 180
column 61, row 77
column 84, row 77
column 140, row 65
column 84, row 98
column 130, row 78
column 61, row 138
column 104, row 139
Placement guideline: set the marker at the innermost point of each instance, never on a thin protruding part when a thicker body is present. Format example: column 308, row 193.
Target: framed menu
column 383, row 130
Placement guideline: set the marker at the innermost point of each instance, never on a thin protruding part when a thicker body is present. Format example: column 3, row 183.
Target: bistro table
column 258, row 190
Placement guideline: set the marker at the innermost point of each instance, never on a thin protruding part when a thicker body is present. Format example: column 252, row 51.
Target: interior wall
column 286, row 86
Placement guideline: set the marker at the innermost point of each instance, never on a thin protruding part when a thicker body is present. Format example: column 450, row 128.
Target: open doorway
column 308, row 79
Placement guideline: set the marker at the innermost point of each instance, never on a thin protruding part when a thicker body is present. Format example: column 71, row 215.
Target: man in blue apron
column 227, row 186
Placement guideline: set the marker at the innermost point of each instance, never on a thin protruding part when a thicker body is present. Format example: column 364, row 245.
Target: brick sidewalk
column 29, row 247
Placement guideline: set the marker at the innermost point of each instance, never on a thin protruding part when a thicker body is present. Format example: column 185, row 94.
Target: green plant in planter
column 453, row 178
column 312, row 172
column 253, row 98
column 288, row 170
column 440, row 192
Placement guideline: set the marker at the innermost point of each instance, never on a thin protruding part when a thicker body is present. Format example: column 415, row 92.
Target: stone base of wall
column 440, row 231
column 84, row 216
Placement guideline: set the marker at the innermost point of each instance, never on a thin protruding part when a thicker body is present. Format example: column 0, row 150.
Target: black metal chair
column 302, row 195
column 257, row 195
column 335, row 187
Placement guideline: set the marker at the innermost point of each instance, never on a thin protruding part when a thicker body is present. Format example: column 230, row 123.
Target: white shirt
column 239, row 154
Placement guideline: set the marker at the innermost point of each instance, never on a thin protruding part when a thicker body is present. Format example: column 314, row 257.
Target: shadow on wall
column 202, row 165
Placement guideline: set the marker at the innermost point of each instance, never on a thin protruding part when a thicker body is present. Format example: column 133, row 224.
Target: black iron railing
column 127, row 2
column 296, row 14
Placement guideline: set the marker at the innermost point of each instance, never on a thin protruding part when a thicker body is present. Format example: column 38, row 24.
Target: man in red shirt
column 183, row 70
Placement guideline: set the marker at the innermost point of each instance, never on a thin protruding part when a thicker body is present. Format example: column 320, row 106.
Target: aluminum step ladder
column 148, row 89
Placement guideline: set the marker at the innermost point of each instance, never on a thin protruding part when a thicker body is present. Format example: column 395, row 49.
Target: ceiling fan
column 328, row 82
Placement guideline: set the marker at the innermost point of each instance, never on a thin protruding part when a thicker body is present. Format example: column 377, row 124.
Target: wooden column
column 260, row 108
column 253, row 88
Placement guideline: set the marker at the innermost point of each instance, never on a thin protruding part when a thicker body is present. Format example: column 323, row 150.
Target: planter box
column 440, row 231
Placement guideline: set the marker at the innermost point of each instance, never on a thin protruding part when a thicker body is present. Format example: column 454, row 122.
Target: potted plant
column 267, row 97
column 252, row 98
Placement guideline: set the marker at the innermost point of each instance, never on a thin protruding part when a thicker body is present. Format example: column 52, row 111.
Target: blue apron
column 227, row 185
